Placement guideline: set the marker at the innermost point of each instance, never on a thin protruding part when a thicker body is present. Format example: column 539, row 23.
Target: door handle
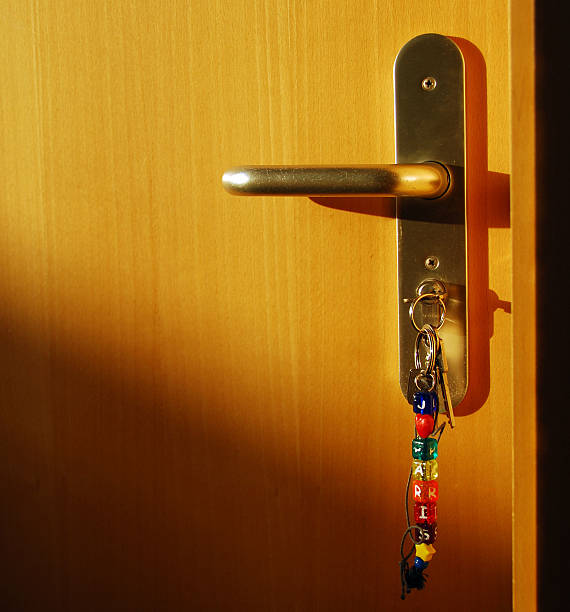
column 430, row 155
column 427, row 180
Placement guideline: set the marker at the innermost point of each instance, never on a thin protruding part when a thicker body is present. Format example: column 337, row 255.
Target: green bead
column 424, row 448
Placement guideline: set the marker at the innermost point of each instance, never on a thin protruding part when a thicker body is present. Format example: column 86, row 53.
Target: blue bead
column 425, row 402
column 420, row 564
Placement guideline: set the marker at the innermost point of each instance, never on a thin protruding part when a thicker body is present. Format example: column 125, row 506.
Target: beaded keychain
column 425, row 386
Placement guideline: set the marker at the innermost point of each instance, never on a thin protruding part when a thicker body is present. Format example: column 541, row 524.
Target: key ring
column 425, row 296
column 429, row 378
column 429, row 332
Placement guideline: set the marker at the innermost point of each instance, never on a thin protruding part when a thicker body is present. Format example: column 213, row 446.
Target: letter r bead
column 425, row 490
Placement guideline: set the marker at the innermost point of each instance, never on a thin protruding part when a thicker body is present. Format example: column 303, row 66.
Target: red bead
column 425, row 512
column 424, row 425
column 425, row 490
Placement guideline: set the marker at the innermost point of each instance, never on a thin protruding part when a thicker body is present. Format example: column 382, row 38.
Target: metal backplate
column 430, row 126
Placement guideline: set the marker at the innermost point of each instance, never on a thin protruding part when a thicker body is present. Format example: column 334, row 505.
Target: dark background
column 553, row 373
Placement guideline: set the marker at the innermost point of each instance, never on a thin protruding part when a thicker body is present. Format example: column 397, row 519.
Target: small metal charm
column 418, row 381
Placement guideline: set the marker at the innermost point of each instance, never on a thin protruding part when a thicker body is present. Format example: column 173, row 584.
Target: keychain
column 427, row 384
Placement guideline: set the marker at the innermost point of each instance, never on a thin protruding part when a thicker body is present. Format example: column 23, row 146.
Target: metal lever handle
column 430, row 125
column 427, row 180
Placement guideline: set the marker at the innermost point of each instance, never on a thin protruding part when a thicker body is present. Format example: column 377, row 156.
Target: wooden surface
column 200, row 400
column 523, row 190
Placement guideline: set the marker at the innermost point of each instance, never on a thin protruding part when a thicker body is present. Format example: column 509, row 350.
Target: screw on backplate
column 431, row 263
column 429, row 84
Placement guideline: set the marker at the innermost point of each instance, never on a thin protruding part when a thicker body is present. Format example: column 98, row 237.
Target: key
column 443, row 384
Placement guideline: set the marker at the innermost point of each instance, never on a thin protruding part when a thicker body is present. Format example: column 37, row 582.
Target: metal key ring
column 425, row 296
column 419, row 377
column 429, row 332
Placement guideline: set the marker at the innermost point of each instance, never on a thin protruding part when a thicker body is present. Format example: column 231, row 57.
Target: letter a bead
column 419, row 470
column 431, row 470
column 424, row 470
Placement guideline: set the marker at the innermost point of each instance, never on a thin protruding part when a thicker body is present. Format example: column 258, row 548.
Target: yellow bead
column 424, row 470
column 432, row 469
column 425, row 552
column 418, row 470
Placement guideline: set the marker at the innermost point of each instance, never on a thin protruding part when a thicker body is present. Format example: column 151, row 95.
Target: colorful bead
column 424, row 425
column 425, row 490
column 424, row 448
column 425, row 512
column 424, row 470
column 425, row 552
column 426, row 533
column 419, row 470
column 425, row 402
column 432, row 470
column 420, row 564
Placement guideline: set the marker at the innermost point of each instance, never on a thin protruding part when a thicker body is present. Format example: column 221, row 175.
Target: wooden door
column 201, row 408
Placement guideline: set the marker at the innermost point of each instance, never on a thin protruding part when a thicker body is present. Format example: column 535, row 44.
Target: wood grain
column 523, row 195
column 201, row 406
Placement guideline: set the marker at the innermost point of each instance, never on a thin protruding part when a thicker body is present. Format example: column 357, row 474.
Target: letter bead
column 425, row 512
column 425, row 490
column 424, row 448
column 425, row 402
column 424, row 470
column 426, row 533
